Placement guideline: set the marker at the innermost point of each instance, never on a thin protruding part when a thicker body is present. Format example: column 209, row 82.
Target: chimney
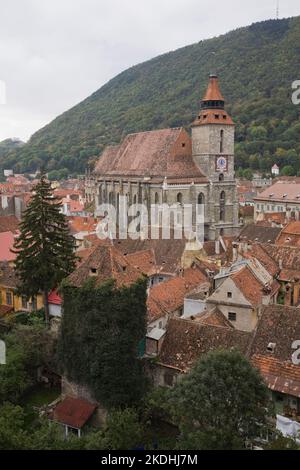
column 234, row 251
column 266, row 294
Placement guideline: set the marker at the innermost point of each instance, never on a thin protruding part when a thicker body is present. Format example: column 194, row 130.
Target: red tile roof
column 7, row 240
column 74, row 412
column 144, row 261
column 214, row 318
column 103, row 263
column 8, row 223
column 281, row 191
column 159, row 153
column 279, row 376
column 168, row 296
column 54, row 298
column 186, row 341
column 82, row 224
column 247, row 283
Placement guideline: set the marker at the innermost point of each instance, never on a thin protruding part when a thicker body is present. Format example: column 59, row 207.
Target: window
column 222, row 206
column 8, row 298
column 183, row 144
column 221, row 141
column 221, row 177
column 156, row 198
column 179, row 198
column 229, row 295
column 93, row 271
column 232, row 316
column 160, row 325
column 201, row 199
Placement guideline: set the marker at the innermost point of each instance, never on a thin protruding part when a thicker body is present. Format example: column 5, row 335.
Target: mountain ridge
column 256, row 66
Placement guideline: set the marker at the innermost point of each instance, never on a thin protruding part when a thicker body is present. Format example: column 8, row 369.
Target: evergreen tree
column 44, row 248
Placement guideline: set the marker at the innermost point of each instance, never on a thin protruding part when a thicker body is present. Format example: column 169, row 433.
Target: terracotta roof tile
column 247, row 283
column 281, row 191
column 8, row 223
column 7, row 240
column 144, row 261
column 280, row 325
column 165, row 152
column 279, row 376
column 168, row 296
column 74, row 412
column 186, row 341
column 214, row 318
column 105, row 262
column 259, row 234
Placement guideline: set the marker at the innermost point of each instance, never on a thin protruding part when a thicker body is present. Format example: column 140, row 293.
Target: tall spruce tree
column 45, row 248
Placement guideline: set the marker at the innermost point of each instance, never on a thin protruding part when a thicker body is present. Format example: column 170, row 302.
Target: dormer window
column 271, row 347
column 284, row 196
column 93, row 271
column 217, row 116
column 183, row 144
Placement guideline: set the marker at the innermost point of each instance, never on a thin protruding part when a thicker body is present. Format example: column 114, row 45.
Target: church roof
column 160, row 153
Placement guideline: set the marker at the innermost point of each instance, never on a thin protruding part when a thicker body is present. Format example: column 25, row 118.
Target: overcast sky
column 54, row 53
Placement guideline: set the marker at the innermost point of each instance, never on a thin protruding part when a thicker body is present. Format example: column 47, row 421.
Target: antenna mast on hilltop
column 277, row 10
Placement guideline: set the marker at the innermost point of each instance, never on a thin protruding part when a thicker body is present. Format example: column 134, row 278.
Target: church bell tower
column 213, row 152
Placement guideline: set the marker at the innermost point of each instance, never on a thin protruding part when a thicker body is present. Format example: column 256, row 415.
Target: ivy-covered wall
column 102, row 328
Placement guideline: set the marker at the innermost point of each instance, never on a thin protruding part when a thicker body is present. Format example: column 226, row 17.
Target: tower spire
column 212, row 106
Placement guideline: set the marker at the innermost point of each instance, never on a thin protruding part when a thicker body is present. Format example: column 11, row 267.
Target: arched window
column 221, row 141
column 110, row 197
column 179, row 198
column 201, row 198
column 134, row 199
column 222, row 206
column 156, row 198
column 221, row 177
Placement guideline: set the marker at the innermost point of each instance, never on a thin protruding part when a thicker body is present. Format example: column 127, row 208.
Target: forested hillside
column 256, row 66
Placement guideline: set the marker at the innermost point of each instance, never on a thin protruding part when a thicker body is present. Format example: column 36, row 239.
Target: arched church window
column 222, row 205
column 201, row 198
column 156, row 198
column 179, row 198
column 221, row 177
column 221, row 141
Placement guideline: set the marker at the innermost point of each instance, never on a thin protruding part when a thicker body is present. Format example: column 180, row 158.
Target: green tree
column 287, row 170
column 44, row 248
column 221, row 403
column 124, row 429
column 13, row 435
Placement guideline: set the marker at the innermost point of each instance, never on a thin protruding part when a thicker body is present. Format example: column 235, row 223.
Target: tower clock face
column 221, row 163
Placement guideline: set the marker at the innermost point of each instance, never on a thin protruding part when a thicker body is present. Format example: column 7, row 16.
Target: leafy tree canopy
column 221, row 403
